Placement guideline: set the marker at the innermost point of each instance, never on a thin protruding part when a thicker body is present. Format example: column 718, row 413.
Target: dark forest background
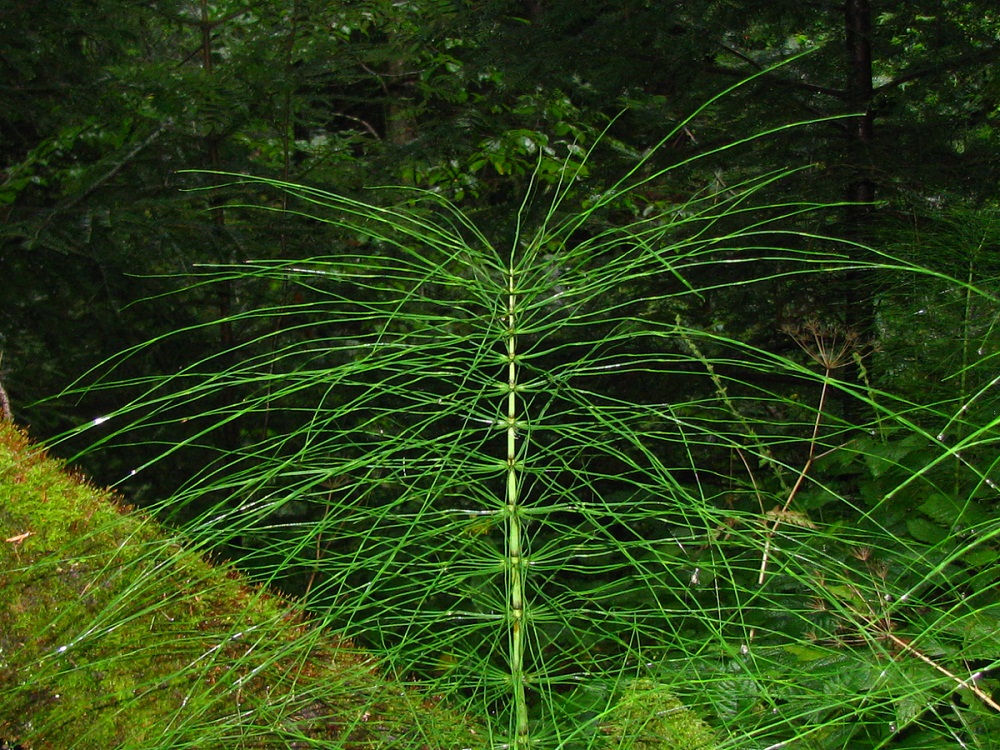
column 105, row 103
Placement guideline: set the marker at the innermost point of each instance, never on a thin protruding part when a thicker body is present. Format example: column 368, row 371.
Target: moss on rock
column 114, row 634
column 648, row 716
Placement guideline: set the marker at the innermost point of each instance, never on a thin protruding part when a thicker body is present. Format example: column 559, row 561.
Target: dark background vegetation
column 103, row 103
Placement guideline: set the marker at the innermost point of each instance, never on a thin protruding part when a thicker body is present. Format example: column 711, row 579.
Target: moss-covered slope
column 112, row 634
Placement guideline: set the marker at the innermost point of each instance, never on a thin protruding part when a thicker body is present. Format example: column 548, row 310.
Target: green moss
column 648, row 716
column 113, row 634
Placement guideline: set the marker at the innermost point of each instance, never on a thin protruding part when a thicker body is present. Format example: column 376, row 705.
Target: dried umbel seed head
column 880, row 569
column 817, row 604
column 830, row 346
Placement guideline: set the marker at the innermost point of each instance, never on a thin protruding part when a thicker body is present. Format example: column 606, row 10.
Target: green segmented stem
column 517, row 564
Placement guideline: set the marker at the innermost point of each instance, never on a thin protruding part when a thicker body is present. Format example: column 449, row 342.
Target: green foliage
column 700, row 441
column 515, row 466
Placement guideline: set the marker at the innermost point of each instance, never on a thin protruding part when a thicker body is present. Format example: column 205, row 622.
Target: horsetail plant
column 516, row 557
column 500, row 456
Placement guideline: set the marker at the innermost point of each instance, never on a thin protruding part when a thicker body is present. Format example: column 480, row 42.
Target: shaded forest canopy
column 662, row 374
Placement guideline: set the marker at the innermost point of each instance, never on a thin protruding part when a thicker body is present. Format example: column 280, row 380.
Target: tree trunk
column 229, row 432
column 859, row 312
column 400, row 125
